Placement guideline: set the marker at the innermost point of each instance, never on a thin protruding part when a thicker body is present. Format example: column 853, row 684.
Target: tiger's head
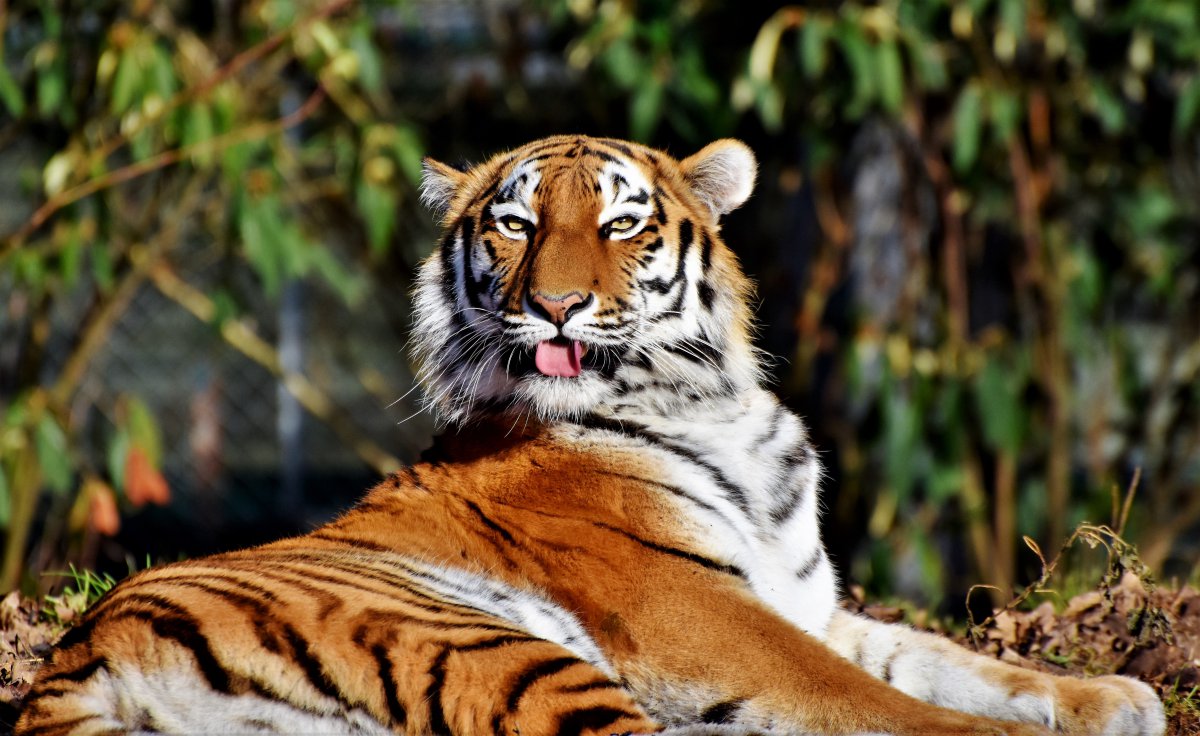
column 579, row 272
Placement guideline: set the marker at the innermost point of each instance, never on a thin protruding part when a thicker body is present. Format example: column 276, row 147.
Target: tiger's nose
column 559, row 309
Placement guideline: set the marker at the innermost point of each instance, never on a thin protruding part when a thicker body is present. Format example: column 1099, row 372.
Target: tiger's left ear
column 439, row 183
column 721, row 175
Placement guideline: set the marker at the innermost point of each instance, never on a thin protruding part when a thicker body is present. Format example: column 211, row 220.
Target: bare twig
column 1133, row 486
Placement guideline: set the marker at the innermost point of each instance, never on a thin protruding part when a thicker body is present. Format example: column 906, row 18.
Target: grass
column 1182, row 705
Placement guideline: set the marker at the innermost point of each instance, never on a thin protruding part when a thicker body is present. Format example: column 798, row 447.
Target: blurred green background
column 976, row 236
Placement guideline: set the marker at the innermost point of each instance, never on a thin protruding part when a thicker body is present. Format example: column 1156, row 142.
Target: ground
column 1116, row 629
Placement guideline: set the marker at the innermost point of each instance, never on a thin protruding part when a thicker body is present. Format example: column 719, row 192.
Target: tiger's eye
column 513, row 223
column 622, row 224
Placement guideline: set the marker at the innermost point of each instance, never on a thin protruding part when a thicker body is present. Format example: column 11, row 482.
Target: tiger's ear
column 721, row 175
column 439, row 183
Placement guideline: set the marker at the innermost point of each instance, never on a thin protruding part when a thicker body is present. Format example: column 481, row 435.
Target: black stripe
column 491, row 524
column 530, row 676
column 308, row 661
column 498, row 641
column 184, row 630
column 706, row 246
column 810, row 565
column 79, row 674
column 433, row 694
column 391, row 688
column 350, row 541
column 617, row 146
column 685, row 242
column 886, row 673
column 449, row 280
column 720, row 712
column 697, row 351
column 737, row 496
column 586, row 687
column 591, row 719
column 675, row 551
column 470, row 285
column 673, row 490
column 660, row 213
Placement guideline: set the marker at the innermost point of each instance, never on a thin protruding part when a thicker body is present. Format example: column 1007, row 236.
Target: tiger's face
column 577, row 272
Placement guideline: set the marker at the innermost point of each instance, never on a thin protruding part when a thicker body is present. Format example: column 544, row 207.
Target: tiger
column 616, row 531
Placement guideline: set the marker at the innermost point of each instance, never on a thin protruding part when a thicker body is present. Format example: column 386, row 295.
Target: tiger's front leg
column 935, row 670
column 707, row 651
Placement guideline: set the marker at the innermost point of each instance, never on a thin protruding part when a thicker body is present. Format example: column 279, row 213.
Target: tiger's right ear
column 439, row 183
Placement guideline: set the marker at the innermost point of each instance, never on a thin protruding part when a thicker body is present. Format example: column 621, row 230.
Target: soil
column 1152, row 635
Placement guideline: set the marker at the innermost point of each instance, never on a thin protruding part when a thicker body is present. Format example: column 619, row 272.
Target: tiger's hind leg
column 938, row 671
column 527, row 687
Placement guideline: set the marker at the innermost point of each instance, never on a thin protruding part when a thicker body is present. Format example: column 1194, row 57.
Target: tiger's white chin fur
column 549, row 398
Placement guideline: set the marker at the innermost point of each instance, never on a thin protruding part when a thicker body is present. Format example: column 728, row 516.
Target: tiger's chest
column 738, row 484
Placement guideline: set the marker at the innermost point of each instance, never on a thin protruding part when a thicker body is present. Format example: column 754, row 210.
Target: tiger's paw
column 1108, row 706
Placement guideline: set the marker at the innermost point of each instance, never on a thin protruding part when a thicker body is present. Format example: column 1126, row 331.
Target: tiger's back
column 618, row 534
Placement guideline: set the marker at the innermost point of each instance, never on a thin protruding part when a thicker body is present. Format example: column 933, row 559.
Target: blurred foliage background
column 976, row 234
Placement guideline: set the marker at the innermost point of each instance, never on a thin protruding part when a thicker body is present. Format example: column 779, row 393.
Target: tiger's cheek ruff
column 668, row 329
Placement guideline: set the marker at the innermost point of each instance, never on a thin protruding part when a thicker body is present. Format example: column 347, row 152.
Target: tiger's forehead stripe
column 620, row 182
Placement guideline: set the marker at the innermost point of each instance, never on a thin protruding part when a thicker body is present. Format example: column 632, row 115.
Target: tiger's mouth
column 559, row 357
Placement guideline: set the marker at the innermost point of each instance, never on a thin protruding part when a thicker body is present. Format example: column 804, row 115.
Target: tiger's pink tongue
column 559, row 358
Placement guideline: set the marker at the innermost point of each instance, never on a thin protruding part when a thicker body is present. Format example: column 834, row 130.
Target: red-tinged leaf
column 143, row 482
column 103, row 516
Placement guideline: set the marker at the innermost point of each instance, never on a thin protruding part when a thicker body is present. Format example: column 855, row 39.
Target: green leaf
column 10, row 92
column 71, row 258
column 125, row 81
column 624, row 64
column 410, row 151
column 1004, row 111
column 118, row 451
column 645, row 109
column 51, row 88
column 5, row 500
column 1107, row 106
column 348, row 286
column 998, row 396
column 770, row 107
column 1012, row 17
column 968, row 126
column 1187, row 105
column 814, row 49
column 370, row 67
column 378, row 206
column 945, row 482
column 143, row 430
column 198, row 126
column 928, row 66
column 29, row 269
column 162, row 72
column 891, row 75
column 51, row 444
column 102, row 267
column 261, row 233
column 225, row 307
column 863, row 69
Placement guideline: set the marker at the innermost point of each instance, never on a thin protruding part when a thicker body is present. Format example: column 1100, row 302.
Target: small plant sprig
column 86, row 588
column 1149, row 622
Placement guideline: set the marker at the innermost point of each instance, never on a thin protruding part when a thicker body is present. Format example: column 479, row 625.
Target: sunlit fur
column 630, row 549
